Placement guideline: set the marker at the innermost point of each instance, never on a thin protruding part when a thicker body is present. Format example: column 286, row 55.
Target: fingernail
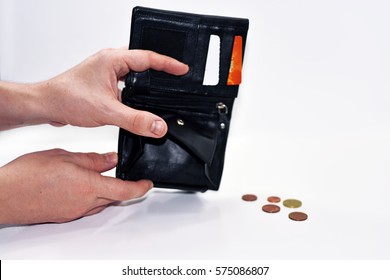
column 157, row 127
column 111, row 157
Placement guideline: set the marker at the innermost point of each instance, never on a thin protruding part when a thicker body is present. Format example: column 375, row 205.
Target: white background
column 312, row 121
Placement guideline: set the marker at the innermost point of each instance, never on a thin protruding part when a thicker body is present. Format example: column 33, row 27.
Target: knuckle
column 93, row 159
column 105, row 52
column 156, row 61
column 103, row 55
column 139, row 123
column 57, row 151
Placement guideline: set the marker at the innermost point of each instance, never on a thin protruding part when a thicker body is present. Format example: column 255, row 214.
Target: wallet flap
column 199, row 140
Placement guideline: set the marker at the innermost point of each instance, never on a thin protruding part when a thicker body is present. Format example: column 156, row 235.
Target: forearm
column 20, row 105
column 4, row 197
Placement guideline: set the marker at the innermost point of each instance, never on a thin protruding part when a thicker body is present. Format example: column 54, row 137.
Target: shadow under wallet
column 197, row 106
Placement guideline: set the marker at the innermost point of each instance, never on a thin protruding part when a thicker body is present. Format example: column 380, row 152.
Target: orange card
column 234, row 77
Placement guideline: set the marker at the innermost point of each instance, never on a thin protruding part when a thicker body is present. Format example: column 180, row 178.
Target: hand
column 88, row 95
column 59, row 186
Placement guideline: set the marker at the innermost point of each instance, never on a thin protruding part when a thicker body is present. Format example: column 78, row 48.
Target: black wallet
column 197, row 106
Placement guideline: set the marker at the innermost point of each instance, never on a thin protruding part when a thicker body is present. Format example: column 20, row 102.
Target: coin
column 297, row 216
column 249, row 197
column 292, row 203
column 273, row 199
column 271, row 208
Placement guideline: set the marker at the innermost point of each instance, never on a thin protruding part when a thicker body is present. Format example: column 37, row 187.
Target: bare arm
column 19, row 105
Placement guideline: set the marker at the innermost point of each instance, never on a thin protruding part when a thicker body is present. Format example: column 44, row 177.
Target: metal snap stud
column 180, row 122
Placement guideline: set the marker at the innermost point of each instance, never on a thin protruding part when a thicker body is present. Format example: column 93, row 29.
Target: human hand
column 88, row 95
column 59, row 186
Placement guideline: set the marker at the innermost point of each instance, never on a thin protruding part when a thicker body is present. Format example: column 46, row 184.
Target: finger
column 141, row 60
column 94, row 161
column 139, row 122
column 118, row 190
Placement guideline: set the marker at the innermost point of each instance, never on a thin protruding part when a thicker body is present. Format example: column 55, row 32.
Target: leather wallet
column 198, row 112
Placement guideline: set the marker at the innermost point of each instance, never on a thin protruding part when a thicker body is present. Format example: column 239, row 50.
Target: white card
column 211, row 75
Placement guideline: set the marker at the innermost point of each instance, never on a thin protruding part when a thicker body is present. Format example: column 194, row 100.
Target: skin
column 60, row 186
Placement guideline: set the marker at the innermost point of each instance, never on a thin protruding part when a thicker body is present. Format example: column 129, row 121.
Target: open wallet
column 197, row 107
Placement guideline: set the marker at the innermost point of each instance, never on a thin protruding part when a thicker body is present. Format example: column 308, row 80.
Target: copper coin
column 273, row 199
column 249, row 197
column 297, row 216
column 271, row 208
column 292, row 203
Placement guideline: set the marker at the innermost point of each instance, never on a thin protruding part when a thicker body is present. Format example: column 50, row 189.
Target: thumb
column 94, row 161
column 139, row 122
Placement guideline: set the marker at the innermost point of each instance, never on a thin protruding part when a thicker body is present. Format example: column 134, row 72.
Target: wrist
column 21, row 105
column 46, row 93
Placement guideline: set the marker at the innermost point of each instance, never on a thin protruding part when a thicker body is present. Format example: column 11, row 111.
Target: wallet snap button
column 180, row 122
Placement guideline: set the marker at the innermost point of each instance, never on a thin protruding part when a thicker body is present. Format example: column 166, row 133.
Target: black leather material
column 191, row 156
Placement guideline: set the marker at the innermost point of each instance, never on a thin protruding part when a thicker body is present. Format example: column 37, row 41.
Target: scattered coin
column 273, row 199
column 271, row 208
column 297, row 216
column 249, row 197
column 292, row 203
